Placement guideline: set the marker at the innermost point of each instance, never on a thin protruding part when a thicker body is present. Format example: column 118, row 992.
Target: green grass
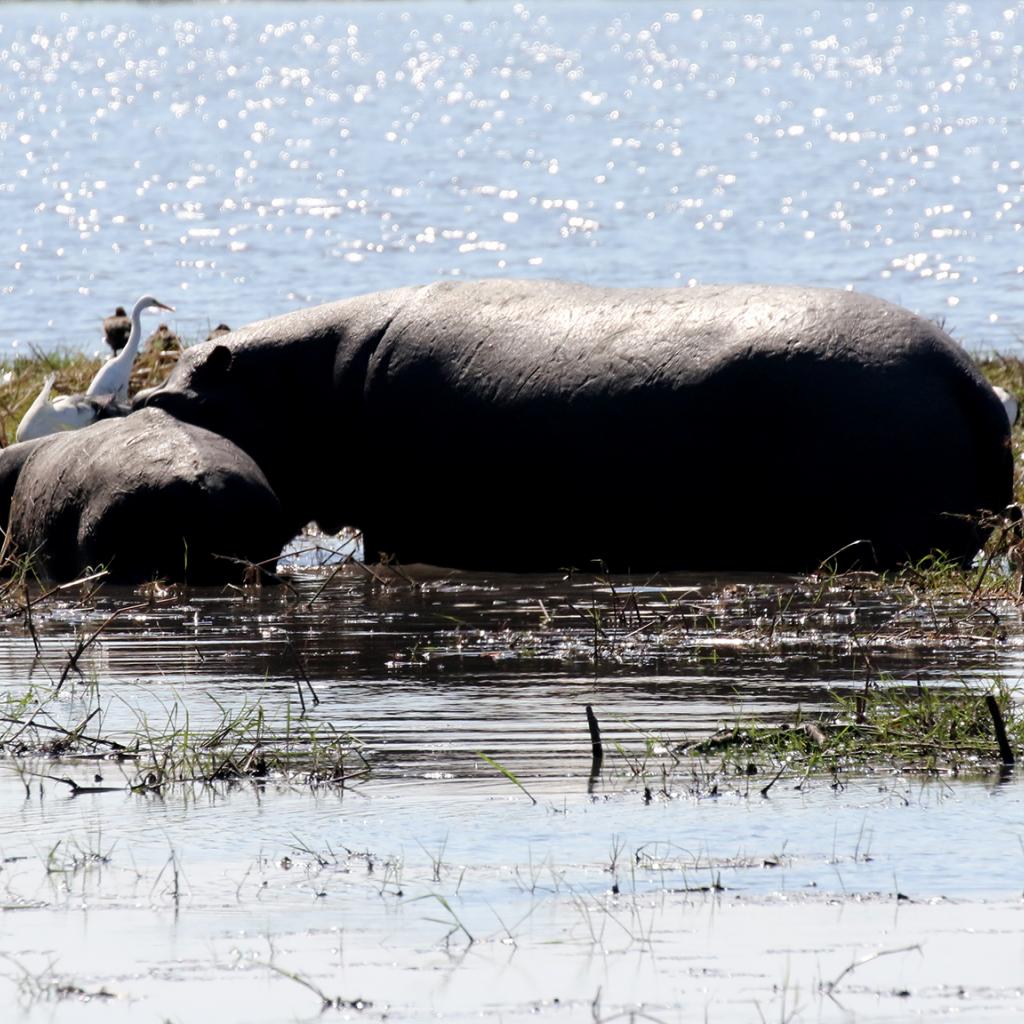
column 157, row 755
column 893, row 729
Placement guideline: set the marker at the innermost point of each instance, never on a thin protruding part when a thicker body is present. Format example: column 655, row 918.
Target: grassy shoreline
column 22, row 376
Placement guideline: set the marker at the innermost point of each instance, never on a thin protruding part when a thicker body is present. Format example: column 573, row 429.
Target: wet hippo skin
column 526, row 425
column 531, row 425
column 145, row 496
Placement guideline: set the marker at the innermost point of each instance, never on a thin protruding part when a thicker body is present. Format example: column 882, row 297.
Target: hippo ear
column 214, row 366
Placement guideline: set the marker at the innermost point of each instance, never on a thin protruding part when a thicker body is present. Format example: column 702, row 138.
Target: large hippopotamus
column 526, row 425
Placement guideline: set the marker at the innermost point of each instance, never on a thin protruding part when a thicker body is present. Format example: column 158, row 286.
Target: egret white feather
column 1010, row 406
column 68, row 412
column 38, row 420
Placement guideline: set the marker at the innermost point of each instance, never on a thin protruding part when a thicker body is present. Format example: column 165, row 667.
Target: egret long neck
column 127, row 354
column 42, row 398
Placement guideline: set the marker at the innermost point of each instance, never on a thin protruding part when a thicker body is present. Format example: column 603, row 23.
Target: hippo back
column 146, row 496
column 534, row 425
column 525, row 424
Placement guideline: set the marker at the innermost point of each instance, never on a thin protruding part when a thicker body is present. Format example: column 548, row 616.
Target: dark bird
column 163, row 339
column 217, row 332
column 117, row 328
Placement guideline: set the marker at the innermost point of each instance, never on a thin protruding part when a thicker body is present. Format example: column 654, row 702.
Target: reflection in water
column 439, row 866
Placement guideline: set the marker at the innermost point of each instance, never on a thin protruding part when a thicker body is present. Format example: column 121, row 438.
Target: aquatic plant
column 154, row 756
column 44, row 984
column 883, row 728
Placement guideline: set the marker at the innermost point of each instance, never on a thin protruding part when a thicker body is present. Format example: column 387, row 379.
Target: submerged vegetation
column 151, row 756
column 886, row 729
column 892, row 728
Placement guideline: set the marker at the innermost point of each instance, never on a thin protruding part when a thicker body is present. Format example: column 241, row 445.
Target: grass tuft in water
column 511, row 776
column 44, row 985
column 882, row 729
column 154, row 756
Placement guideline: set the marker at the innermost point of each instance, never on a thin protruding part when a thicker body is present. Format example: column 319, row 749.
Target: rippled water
column 244, row 159
column 430, row 672
column 437, row 886
column 239, row 160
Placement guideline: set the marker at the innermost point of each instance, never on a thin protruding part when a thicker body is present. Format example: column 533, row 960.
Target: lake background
column 241, row 160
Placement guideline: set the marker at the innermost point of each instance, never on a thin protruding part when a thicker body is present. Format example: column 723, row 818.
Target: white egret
column 107, row 391
column 69, row 412
column 113, row 376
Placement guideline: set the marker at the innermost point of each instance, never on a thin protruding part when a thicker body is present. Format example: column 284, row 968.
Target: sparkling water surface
column 241, row 160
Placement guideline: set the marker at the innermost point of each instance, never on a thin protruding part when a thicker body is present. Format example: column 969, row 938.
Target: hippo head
column 289, row 391
column 197, row 390
column 269, row 399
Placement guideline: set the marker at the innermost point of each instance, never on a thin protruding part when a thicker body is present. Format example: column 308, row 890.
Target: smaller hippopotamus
column 145, row 496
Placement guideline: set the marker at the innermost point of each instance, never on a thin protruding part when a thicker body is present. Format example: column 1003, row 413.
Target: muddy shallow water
column 433, row 884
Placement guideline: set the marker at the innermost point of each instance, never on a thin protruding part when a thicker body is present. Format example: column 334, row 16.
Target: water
column 584, row 896
column 242, row 160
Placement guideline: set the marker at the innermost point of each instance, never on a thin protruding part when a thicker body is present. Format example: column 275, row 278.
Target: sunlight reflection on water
column 259, row 157
column 262, row 158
